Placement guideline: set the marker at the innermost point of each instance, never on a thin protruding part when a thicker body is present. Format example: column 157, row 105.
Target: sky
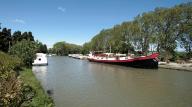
column 73, row 21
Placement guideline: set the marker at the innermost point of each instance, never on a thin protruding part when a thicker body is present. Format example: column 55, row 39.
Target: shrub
column 10, row 90
column 13, row 92
column 10, row 85
column 25, row 50
column 8, row 62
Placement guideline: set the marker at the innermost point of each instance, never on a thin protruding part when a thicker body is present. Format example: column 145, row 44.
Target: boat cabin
column 41, row 59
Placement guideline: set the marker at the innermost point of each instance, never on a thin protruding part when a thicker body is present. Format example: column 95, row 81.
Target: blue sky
column 73, row 21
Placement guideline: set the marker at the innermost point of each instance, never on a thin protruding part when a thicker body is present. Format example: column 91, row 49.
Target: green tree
column 5, row 39
column 185, row 32
column 59, row 48
column 41, row 48
column 25, row 50
column 18, row 36
column 63, row 48
column 86, row 48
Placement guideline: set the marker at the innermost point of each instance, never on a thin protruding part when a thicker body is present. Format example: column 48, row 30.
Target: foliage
column 41, row 48
column 10, row 85
column 8, row 63
column 21, row 45
column 18, row 36
column 40, row 98
column 22, row 90
column 16, row 46
column 10, row 90
column 5, row 39
column 25, row 50
column 59, row 48
column 86, row 48
column 160, row 30
column 186, row 27
column 63, row 48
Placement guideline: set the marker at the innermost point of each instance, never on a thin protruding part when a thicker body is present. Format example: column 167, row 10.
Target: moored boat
column 149, row 61
column 41, row 59
column 78, row 56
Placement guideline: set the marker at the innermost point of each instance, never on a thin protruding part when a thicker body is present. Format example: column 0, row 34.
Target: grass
column 41, row 99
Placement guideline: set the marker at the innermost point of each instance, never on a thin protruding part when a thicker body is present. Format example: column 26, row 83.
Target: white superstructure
column 41, row 59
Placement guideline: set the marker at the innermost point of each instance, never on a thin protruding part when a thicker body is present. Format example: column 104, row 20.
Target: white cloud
column 18, row 21
column 61, row 9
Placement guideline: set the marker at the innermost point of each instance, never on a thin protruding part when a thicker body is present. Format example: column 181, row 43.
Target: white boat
column 41, row 59
column 49, row 55
column 78, row 56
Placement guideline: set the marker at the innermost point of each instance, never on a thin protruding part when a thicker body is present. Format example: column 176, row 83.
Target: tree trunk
column 166, row 56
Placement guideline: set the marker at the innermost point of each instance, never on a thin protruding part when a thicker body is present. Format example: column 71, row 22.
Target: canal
column 79, row 83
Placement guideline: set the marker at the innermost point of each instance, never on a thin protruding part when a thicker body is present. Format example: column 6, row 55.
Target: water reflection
column 79, row 83
column 41, row 74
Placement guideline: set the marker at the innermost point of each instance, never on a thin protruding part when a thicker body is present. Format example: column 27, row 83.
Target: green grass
column 41, row 99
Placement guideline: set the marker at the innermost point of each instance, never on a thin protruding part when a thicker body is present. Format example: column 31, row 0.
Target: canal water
column 79, row 83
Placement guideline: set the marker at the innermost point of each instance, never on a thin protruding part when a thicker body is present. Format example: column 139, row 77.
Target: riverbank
column 176, row 66
column 41, row 99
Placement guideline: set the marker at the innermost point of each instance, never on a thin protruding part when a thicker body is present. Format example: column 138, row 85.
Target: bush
column 33, row 88
column 22, row 90
column 8, row 62
column 10, row 85
column 181, row 56
column 10, row 90
column 25, row 50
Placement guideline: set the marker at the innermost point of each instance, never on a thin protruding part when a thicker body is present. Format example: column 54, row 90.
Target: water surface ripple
column 79, row 83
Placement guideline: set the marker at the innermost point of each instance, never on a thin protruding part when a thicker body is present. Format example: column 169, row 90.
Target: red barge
column 149, row 61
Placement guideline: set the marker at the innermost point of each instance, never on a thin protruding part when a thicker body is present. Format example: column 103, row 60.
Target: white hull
column 39, row 64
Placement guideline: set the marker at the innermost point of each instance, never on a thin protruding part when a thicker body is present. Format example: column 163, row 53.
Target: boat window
column 39, row 59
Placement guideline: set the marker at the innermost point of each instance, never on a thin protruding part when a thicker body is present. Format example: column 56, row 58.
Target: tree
column 185, row 34
column 59, row 48
column 18, row 36
column 63, row 48
column 5, row 39
column 146, row 25
column 86, row 48
column 25, row 50
column 41, row 48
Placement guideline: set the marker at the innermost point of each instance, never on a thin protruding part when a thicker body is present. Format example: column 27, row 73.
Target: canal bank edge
column 176, row 66
column 41, row 98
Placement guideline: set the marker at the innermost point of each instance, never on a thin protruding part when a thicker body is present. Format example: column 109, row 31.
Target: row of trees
column 7, row 40
column 161, row 30
column 63, row 48
column 21, row 45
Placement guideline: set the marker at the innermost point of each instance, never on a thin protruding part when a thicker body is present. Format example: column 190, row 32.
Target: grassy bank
column 41, row 99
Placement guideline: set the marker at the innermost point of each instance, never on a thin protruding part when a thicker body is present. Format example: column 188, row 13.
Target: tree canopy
column 63, row 48
column 161, row 30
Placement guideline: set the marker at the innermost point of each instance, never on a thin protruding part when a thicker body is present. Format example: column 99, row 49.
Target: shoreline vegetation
column 162, row 30
column 41, row 98
column 19, row 86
